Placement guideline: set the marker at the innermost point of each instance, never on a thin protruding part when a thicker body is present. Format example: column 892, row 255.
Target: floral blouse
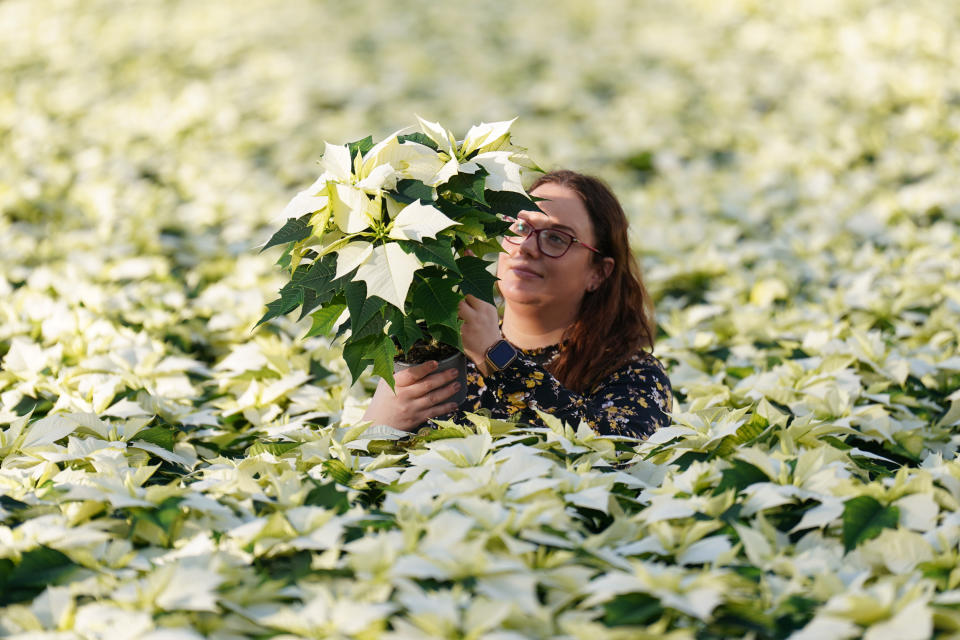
column 633, row 401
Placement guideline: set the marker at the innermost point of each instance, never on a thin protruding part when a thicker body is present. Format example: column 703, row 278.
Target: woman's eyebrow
column 561, row 227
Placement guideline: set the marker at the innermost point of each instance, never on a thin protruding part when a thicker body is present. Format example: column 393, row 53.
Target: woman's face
column 556, row 285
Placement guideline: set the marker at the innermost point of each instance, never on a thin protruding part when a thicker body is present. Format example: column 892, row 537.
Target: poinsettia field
column 791, row 173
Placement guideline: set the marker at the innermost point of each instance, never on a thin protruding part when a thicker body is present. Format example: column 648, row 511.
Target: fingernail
column 455, row 386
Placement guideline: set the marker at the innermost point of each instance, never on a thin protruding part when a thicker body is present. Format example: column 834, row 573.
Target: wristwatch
column 501, row 355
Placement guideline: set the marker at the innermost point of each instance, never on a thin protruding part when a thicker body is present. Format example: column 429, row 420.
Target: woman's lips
column 525, row 272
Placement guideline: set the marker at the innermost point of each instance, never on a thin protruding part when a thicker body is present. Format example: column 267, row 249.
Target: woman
column 576, row 325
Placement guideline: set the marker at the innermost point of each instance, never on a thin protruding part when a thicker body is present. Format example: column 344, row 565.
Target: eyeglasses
column 551, row 242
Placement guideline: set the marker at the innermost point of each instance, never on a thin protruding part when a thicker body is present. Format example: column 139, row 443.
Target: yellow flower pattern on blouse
column 634, row 400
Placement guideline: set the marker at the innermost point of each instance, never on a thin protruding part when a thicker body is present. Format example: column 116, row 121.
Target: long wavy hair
column 616, row 320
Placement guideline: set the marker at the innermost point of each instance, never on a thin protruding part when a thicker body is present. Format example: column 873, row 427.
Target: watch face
column 501, row 354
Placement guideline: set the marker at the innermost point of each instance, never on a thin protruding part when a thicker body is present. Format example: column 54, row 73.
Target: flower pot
column 456, row 361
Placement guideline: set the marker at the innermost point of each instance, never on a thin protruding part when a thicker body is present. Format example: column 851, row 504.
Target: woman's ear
column 607, row 267
column 601, row 272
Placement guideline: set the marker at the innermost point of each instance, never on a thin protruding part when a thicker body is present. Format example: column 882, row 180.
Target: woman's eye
column 556, row 239
column 521, row 227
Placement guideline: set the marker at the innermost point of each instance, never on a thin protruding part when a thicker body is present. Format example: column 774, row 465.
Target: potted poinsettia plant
column 385, row 244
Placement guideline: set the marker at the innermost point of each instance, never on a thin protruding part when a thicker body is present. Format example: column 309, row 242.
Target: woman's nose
column 530, row 245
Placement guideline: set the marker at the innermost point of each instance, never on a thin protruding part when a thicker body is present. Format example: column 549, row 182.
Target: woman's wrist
column 480, row 330
column 480, row 358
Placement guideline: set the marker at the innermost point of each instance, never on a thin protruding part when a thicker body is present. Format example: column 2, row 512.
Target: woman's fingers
column 478, row 309
column 435, row 399
column 440, row 409
column 473, row 309
column 414, row 374
column 420, row 393
column 437, row 402
column 480, row 329
column 430, row 390
column 435, row 388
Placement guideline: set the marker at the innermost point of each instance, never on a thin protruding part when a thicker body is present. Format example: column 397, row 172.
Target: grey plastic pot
column 457, row 361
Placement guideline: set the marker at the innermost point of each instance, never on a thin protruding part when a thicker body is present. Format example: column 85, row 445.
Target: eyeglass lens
column 551, row 242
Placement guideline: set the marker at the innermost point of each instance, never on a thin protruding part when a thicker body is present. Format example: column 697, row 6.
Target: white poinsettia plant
column 392, row 235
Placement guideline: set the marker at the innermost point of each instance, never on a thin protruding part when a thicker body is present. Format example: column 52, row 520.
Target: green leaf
column 369, row 320
column 160, row 435
column 362, row 308
column 382, row 352
column 409, row 190
column 28, row 404
column 443, row 433
column 158, row 524
column 318, row 371
column 739, row 373
column 739, row 476
column 37, row 569
column 864, row 518
column 437, row 302
column 751, row 430
column 338, row 471
column 684, row 461
column 294, row 230
column 310, row 302
column 374, row 326
column 836, row 442
column 342, row 329
column 285, row 259
column 794, row 613
column 468, row 185
column 273, row 448
column 732, row 514
column 477, row 281
column 483, row 247
column 509, row 203
column 324, row 319
column 419, row 138
column 460, row 211
column 446, row 335
column 436, row 252
column 874, row 468
column 477, row 226
column 12, row 504
column 354, row 354
column 319, row 276
column 631, row 609
column 291, row 297
column 725, row 448
column 328, row 496
column 360, row 146
column 469, row 230
column 405, row 330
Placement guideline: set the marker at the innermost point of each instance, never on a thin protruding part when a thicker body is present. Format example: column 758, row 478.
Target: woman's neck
column 533, row 329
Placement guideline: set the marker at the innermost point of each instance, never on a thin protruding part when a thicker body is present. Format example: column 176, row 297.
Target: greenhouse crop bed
column 790, row 172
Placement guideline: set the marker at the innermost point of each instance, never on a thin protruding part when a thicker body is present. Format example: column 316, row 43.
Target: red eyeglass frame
column 537, row 232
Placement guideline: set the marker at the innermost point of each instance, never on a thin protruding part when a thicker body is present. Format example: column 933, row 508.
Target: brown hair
column 616, row 320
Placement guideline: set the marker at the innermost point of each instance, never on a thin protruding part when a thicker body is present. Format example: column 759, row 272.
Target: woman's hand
column 418, row 394
column 480, row 329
